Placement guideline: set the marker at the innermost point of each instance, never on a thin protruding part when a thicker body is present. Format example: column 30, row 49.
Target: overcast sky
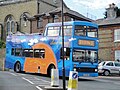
column 91, row 8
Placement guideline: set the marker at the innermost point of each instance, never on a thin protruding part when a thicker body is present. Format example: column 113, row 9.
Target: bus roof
column 73, row 23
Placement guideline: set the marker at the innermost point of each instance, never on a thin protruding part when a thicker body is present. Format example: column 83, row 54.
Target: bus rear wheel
column 17, row 67
column 49, row 70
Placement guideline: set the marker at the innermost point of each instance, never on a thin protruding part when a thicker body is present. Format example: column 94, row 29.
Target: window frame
column 40, row 22
column 41, row 54
column 82, row 30
column 110, row 64
column 57, row 28
column 116, row 35
column 28, row 53
column 117, row 55
column 93, row 30
column 66, row 27
column 10, row 25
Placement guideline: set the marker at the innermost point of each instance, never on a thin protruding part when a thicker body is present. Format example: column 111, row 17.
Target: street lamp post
column 64, row 84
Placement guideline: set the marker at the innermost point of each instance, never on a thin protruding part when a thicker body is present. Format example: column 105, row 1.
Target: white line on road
column 42, row 80
column 39, row 88
column 13, row 74
column 27, row 80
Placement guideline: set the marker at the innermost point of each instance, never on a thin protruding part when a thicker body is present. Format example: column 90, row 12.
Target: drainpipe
column 30, row 26
column 38, row 7
column 1, row 31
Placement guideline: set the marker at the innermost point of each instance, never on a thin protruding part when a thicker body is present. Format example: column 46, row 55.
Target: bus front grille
column 90, row 70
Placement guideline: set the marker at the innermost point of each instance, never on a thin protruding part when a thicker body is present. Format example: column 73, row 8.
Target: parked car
column 100, row 60
column 109, row 67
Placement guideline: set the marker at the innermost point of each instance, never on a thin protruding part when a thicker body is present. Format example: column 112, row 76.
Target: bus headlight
column 96, row 70
column 74, row 69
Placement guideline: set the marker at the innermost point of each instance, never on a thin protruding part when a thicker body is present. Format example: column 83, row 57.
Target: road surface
column 20, row 81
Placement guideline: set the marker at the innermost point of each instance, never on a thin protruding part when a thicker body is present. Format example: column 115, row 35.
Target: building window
column 72, row 19
column 117, row 55
column 56, row 18
column 13, row 27
column 39, row 22
column 10, row 26
column 117, row 35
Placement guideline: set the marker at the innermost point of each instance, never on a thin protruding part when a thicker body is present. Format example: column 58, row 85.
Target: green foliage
column 118, row 12
column 105, row 14
column 2, row 44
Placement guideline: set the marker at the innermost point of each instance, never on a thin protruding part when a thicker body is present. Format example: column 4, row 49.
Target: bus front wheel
column 17, row 67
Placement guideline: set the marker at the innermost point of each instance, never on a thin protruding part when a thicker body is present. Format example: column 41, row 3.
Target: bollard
column 54, row 78
column 73, row 81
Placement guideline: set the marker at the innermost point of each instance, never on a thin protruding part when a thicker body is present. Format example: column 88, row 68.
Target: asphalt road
column 21, row 81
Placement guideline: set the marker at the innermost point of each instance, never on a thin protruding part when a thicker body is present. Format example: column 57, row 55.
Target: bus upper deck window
column 80, row 30
column 92, row 31
column 67, row 30
column 53, row 31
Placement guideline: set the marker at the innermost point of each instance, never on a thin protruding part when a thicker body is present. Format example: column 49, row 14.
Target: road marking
column 27, row 80
column 42, row 80
column 39, row 88
column 13, row 74
column 21, row 74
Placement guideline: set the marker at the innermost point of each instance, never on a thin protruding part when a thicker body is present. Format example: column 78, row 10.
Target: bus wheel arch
column 17, row 67
column 49, row 69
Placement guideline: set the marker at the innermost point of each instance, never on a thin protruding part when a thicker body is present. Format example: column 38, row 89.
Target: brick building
column 40, row 20
column 109, row 35
column 30, row 16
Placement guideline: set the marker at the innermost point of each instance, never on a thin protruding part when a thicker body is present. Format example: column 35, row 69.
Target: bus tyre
column 49, row 70
column 17, row 67
column 106, row 73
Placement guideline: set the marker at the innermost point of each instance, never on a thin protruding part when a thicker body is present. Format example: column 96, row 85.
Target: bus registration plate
column 86, row 75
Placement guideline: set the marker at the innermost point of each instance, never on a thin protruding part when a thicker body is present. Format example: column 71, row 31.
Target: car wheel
column 106, row 73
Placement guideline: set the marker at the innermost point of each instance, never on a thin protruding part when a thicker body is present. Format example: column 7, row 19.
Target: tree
column 2, row 44
column 118, row 12
column 105, row 14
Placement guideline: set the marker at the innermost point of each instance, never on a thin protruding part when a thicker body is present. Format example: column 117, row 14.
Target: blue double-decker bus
column 40, row 53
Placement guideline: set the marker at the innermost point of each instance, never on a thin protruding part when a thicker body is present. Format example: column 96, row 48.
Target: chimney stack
column 111, row 12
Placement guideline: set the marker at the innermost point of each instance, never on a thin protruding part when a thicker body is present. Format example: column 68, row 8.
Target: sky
column 93, row 9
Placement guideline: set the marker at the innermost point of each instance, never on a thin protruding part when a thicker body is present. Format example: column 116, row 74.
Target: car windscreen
column 101, row 64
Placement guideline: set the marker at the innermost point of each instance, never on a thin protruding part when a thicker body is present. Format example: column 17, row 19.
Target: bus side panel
column 33, row 64
column 10, row 62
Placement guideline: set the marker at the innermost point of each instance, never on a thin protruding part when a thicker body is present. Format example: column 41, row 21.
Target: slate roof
column 103, row 22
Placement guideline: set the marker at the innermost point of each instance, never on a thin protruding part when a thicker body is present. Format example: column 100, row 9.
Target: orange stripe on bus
column 32, row 64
